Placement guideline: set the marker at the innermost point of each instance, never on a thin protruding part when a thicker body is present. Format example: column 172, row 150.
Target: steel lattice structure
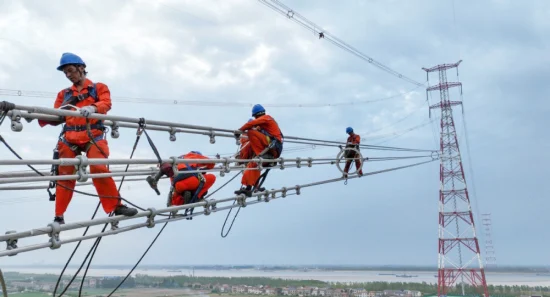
column 490, row 255
column 457, row 232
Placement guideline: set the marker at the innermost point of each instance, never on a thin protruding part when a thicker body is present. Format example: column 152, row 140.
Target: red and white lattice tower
column 459, row 254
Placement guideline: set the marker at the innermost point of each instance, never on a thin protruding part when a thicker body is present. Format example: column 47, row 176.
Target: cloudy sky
column 242, row 51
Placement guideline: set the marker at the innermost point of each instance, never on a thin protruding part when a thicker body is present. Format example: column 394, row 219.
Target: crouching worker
column 80, row 136
column 265, row 141
column 189, row 187
column 354, row 140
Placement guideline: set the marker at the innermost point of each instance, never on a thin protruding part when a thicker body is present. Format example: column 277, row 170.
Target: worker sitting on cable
column 354, row 140
column 189, row 187
column 77, row 137
column 265, row 141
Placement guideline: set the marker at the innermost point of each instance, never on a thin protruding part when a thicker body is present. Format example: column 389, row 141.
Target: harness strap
column 99, row 125
column 70, row 99
column 79, row 149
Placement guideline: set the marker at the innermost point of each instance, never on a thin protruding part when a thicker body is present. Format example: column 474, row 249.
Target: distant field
column 125, row 293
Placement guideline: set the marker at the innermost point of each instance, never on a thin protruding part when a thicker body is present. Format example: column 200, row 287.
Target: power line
column 176, row 102
column 324, row 34
column 210, row 206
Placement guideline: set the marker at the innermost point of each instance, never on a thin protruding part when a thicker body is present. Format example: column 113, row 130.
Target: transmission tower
column 490, row 255
column 457, row 233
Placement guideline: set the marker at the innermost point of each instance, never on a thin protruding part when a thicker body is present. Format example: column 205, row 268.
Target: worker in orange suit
column 189, row 187
column 265, row 141
column 76, row 138
column 354, row 140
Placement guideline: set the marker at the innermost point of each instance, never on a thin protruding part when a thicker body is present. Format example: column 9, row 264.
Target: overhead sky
column 242, row 51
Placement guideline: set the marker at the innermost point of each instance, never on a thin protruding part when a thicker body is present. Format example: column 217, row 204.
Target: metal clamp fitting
column 172, row 134
column 309, row 162
column 15, row 118
column 297, row 189
column 81, row 168
column 267, row 193
column 11, row 244
column 226, row 165
column 284, row 192
column 207, row 210
column 260, row 162
column 151, row 217
column 298, row 162
column 212, row 137
column 114, row 130
column 212, row 204
column 241, row 200
column 174, row 165
column 54, row 235
column 282, row 163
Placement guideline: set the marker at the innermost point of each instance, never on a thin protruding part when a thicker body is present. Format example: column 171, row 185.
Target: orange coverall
column 353, row 141
column 192, row 183
column 104, row 186
column 258, row 141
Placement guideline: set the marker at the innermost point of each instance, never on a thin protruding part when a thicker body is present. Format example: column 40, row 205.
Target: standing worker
column 265, row 140
column 81, row 135
column 354, row 140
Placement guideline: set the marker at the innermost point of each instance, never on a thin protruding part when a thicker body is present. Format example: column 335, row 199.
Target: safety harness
column 69, row 99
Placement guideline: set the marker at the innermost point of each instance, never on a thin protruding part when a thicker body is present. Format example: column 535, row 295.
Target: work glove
column 87, row 110
column 167, row 169
column 238, row 134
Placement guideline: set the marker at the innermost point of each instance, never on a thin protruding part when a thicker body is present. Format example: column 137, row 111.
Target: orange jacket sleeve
column 255, row 122
column 103, row 104
column 56, row 104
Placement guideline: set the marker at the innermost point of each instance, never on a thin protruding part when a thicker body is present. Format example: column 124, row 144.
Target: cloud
column 242, row 51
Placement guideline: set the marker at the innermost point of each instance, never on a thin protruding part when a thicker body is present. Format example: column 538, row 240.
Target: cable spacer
column 114, row 225
column 226, row 167
column 434, row 155
column 284, row 192
column 81, row 168
column 241, row 200
column 298, row 190
column 173, row 160
column 282, row 163
column 212, row 137
column 260, row 163
column 114, row 130
column 151, row 217
column 212, row 203
column 309, row 162
column 54, row 235
column 172, row 134
column 207, row 210
column 15, row 118
column 11, row 244
column 298, row 162
column 267, row 193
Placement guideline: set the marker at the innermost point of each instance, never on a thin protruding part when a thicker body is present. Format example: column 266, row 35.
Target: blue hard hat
column 349, row 130
column 69, row 58
column 197, row 152
column 257, row 109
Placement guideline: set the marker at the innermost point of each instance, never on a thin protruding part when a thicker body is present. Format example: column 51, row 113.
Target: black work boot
column 187, row 196
column 59, row 220
column 125, row 211
column 247, row 191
